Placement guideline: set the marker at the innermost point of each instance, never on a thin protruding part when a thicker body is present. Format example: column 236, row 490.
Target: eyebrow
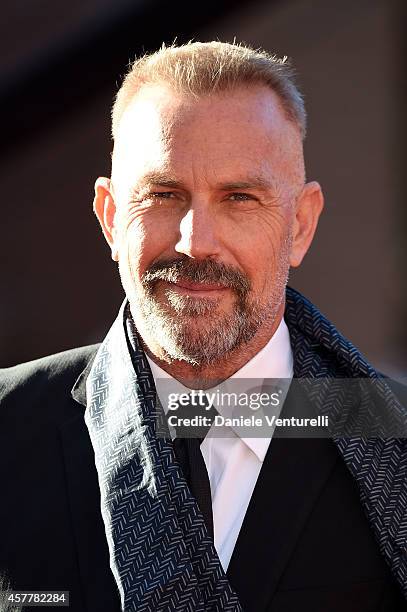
column 255, row 182
column 164, row 180
column 159, row 179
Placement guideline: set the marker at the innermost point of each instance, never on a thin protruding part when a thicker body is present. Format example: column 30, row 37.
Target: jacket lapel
column 99, row 587
column 292, row 476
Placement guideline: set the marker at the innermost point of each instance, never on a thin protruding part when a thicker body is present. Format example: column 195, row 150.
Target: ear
column 309, row 206
column 105, row 209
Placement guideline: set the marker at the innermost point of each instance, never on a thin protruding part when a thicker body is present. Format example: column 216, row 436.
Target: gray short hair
column 203, row 68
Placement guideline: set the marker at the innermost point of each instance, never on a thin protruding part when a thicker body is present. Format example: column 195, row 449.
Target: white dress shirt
column 234, row 462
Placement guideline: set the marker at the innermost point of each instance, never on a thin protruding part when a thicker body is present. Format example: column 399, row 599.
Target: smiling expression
column 201, row 215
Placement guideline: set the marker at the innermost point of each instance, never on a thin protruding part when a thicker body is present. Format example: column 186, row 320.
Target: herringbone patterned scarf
column 161, row 554
column 379, row 463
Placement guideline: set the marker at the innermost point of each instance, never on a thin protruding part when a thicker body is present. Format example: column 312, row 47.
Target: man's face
column 200, row 216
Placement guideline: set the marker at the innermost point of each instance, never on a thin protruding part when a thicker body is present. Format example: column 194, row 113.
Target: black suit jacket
column 305, row 543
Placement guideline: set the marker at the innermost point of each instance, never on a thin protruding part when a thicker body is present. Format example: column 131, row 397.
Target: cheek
column 275, row 233
column 262, row 252
column 255, row 261
column 144, row 241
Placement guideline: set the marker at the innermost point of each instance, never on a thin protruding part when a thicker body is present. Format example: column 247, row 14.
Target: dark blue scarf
column 161, row 554
column 376, row 461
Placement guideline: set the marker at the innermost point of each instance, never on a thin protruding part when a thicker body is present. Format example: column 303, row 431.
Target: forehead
column 245, row 128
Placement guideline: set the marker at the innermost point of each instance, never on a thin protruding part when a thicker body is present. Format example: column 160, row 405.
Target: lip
column 197, row 288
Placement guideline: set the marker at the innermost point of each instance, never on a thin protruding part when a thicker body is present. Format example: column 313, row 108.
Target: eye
column 162, row 195
column 241, row 197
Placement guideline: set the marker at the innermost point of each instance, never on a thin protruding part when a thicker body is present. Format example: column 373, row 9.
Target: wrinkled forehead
column 162, row 130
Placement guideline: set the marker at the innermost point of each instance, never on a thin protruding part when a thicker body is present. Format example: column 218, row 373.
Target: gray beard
column 190, row 329
column 181, row 337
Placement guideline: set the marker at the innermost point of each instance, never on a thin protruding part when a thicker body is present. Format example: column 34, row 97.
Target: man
column 205, row 211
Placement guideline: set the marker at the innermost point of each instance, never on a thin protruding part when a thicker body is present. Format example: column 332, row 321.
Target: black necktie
column 189, row 455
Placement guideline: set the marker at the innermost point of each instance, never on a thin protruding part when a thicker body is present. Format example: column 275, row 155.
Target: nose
column 198, row 236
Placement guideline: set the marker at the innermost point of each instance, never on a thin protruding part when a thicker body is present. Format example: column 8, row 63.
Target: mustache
column 206, row 270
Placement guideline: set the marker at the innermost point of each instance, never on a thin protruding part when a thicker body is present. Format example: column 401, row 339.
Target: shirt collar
column 274, row 360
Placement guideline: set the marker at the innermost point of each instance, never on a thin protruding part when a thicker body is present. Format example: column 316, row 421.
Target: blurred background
column 60, row 66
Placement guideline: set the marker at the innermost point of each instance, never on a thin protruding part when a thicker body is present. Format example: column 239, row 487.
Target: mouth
column 186, row 287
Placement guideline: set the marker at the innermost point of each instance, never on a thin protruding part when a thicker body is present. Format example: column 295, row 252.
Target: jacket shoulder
column 46, row 372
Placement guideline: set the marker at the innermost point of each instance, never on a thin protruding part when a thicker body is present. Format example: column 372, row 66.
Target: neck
column 209, row 375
